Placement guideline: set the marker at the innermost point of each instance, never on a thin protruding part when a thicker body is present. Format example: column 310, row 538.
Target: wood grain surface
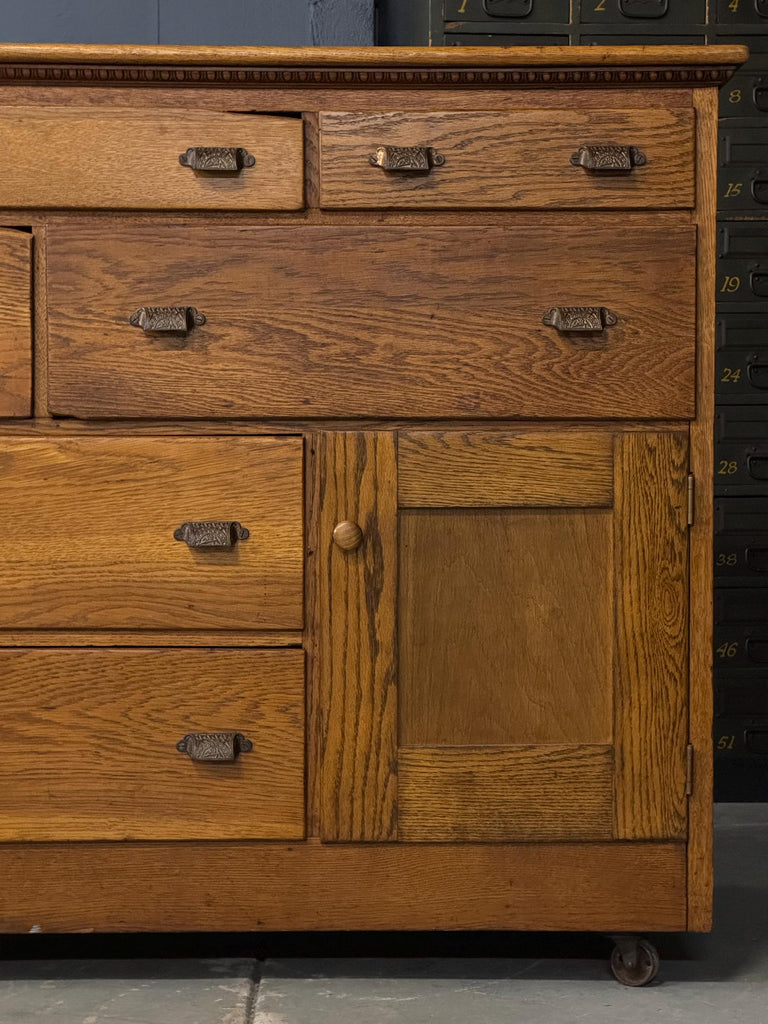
column 454, row 468
column 357, row 594
column 508, row 794
column 651, row 696
column 505, row 627
column 352, row 321
column 514, row 160
column 700, row 836
column 83, row 887
column 90, row 527
column 16, row 321
column 79, row 158
column 89, row 744
column 406, row 56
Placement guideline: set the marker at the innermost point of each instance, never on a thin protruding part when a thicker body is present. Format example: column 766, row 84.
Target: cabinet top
column 372, row 65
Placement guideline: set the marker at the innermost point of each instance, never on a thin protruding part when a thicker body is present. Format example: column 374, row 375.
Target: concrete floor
column 715, row 978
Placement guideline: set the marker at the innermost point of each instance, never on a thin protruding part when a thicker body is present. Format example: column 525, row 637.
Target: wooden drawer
column 16, row 314
column 517, row 160
column 352, row 321
column 130, row 159
column 90, row 522
column 89, row 741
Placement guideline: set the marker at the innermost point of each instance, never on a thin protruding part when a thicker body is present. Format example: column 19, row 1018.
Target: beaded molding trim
column 74, row 74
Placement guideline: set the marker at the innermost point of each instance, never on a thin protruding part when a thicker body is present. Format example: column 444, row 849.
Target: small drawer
column 672, row 16
column 742, row 265
column 151, row 533
column 507, row 38
column 742, row 180
column 161, row 159
column 745, row 95
column 741, row 448
column 151, row 744
column 742, row 736
column 742, row 651
column 16, row 334
column 734, row 15
column 514, row 11
column 529, row 158
column 375, row 321
column 742, row 359
column 642, row 38
column 741, row 540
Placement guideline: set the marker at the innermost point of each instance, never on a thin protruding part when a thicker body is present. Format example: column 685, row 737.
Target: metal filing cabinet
column 741, row 468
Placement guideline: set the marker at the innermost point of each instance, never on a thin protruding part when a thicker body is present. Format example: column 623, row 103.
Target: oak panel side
column 357, row 593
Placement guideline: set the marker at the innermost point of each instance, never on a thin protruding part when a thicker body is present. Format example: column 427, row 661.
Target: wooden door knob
column 348, row 536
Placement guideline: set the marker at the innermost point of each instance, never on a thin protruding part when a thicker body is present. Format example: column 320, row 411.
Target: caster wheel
column 634, row 962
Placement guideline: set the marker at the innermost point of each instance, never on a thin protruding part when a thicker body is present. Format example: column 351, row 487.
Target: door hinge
column 689, row 769
column 691, row 498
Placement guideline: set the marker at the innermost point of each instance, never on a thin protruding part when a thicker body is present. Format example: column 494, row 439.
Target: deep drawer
column 128, row 159
column 362, row 322
column 95, row 534
column 521, row 159
column 90, row 744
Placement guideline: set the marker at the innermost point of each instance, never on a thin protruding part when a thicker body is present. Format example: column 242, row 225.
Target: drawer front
column 360, row 321
column 742, row 359
column 126, row 159
column 91, row 528
column 510, row 160
column 90, row 743
column 16, row 312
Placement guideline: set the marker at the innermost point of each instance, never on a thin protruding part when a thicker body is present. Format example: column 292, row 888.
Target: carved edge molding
column 128, row 75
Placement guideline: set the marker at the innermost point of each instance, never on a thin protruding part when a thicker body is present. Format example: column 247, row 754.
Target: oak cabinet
column 507, row 648
column 356, row 418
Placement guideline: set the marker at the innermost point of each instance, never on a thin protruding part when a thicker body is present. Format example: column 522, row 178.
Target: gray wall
column 212, row 22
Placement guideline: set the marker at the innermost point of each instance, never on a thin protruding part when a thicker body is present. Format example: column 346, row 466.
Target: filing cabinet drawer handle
column 211, row 533
column 579, row 318
column 757, row 559
column 757, row 374
column 757, row 466
column 759, row 188
column 210, row 747
column 758, row 283
column 414, row 159
column 167, row 319
column 216, row 159
column 757, row 650
column 508, row 8
column 608, row 158
column 643, row 8
column 761, row 6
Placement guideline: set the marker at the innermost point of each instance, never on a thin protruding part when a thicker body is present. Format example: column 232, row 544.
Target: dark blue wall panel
column 78, row 21
column 235, row 22
column 203, row 22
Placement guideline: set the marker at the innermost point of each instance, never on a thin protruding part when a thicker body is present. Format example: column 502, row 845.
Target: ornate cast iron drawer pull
column 419, row 159
column 216, row 159
column 211, row 533
column 579, row 318
column 168, row 319
column 608, row 158
column 214, row 746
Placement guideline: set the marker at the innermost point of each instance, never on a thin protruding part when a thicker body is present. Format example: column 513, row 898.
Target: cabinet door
column 504, row 648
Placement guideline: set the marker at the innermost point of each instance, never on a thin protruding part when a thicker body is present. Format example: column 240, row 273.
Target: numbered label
column 733, row 189
column 730, row 376
column 727, row 467
column 727, row 559
column 731, row 283
column 728, row 650
column 726, row 742
column 734, row 96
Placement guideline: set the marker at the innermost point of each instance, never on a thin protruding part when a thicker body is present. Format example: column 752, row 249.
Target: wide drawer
column 90, row 744
column 374, row 321
column 96, row 537
column 130, row 159
column 518, row 159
